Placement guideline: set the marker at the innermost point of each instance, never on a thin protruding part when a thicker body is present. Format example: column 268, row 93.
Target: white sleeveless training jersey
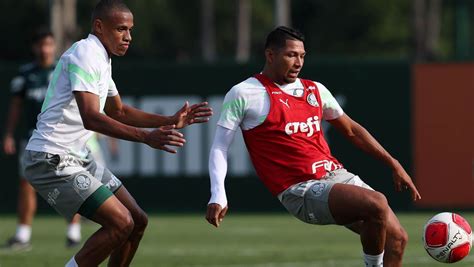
column 85, row 67
column 247, row 104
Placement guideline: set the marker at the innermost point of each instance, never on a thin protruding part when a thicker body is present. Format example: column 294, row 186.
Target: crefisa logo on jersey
column 309, row 127
column 312, row 100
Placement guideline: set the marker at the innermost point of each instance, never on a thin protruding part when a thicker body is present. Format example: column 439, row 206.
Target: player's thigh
column 349, row 203
column 307, row 201
column 112, row 213
column 111, row 182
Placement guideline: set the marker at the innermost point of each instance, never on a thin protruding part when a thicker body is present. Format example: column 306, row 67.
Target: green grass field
column 244, row 240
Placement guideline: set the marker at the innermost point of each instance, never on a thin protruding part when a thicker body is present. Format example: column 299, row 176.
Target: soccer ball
column 447, row 237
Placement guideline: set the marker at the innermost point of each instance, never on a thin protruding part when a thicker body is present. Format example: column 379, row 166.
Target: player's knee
column 403, row 237
column 141, row 222
column 379, row 208
column 128, row 224
column 124, row 226
column 399, row 240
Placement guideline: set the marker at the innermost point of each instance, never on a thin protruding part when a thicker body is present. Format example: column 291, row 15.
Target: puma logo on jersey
column 311, row 126
column 285, row 102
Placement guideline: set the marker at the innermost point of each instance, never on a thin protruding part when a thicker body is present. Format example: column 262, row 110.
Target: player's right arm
column 14, row 113
column 94, row 120
column 232, row 114
column 217, row 206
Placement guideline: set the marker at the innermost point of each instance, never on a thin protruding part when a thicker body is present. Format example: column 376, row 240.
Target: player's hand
column 197, row 113
column 403, row 182
column 9, row 145
column 165, row 136
column 215, row 214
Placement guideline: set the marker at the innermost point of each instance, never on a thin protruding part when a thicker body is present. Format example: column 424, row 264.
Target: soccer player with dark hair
column 280, row 117
column 28, row 90
column 82, row 98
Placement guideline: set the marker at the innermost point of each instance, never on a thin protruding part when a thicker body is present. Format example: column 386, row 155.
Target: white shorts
column 308, row 200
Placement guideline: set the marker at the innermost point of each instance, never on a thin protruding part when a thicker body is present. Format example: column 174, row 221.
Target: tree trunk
column 63, row 23
column 70, row 23
column 208, row 39
column 419, row 28
column 243, row 30
column 282, row 13
column 433, row 29
column 426, row 28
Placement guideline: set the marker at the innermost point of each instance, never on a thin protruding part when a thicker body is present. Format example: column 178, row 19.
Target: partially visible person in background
column 28, row 91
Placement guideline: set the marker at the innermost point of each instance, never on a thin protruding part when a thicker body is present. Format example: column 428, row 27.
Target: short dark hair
column 103, row 8
column 277, row 38
column 41, row 33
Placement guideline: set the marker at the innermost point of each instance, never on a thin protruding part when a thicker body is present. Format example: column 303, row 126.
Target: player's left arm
column 359, row 136
column 116, row 109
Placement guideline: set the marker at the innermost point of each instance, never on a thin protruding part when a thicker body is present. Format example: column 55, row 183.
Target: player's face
column 45, row 50
column 288, row 61
column 116, row 32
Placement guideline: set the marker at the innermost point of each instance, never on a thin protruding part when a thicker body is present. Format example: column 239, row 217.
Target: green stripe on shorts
column 94, row 201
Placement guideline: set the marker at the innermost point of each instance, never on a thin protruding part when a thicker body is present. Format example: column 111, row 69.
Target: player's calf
column 123, row 255
column 394, row 249
column 396, row 241
column 117, row 225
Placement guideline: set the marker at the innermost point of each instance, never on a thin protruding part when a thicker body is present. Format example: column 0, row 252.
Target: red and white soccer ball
column 447, row 237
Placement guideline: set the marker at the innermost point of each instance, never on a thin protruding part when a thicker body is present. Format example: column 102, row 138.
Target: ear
column 97, row 26
column 269, row 54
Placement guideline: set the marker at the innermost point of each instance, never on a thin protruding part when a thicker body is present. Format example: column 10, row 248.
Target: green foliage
column 355, row 28
column 170, row 30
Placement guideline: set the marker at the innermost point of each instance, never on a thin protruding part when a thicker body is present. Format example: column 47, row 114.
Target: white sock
column 74, row 231
column 23, row 232
column 373, row 260
column 72, row 262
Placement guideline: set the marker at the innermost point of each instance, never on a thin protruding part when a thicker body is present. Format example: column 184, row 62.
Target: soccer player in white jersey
column 280, row 118
column 59, row 166
column 28, row 91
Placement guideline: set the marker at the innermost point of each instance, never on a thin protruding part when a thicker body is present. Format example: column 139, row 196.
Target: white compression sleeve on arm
column 218, row 164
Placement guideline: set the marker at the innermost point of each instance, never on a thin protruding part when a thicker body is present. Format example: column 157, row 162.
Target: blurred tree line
column 168, row 30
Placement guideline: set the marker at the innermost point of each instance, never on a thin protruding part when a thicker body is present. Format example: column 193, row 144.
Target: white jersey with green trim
column 247, row 104
column 85, row 67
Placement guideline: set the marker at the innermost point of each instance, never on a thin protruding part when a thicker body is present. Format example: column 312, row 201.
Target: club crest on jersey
column 312, row 100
